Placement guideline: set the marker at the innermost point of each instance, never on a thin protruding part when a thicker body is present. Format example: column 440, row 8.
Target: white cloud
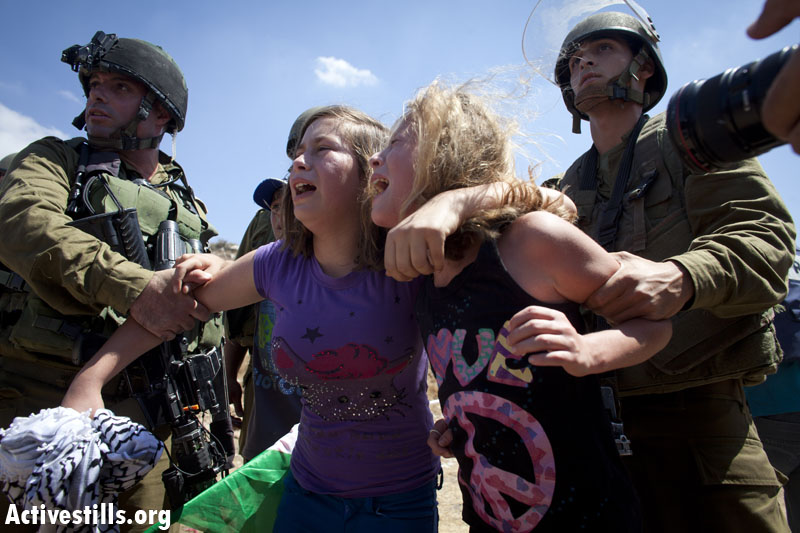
column 340, row 73
column 14, row 87
column 71, row 97
column 17, row 131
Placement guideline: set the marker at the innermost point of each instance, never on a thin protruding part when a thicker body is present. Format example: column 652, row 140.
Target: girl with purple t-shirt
column 344, row 332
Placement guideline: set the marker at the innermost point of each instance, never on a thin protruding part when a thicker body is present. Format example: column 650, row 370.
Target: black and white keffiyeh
column 64, row 459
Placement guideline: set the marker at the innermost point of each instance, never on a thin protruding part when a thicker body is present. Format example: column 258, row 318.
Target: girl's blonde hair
column 461, row 142
column 363, row 136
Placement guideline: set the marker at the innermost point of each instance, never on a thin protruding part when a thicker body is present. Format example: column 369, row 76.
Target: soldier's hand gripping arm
column 736, row 264
column 71, row 270
column 227, row 288
column 164, row 311
column 642, row 288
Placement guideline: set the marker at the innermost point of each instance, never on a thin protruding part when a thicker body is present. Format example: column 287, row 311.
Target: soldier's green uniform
column 87, row 289
column 697, row 461
column 62, row 290
column 76, row 274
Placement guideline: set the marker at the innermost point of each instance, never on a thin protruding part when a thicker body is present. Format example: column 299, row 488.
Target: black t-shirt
column 534, row 444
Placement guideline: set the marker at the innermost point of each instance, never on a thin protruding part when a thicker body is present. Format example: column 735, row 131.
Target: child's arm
column 556, row 262
column 551, row 340
column 416, row 245
column 232, row 285
column 127, row 343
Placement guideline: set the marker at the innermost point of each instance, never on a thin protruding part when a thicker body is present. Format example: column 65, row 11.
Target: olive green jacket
column 72, row 271
column 730, row 231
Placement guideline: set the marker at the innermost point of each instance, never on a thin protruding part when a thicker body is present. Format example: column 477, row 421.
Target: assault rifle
column 172, row 386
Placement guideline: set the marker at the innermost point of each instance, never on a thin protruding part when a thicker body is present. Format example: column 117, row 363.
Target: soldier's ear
column 162, row 115
column 647, row 70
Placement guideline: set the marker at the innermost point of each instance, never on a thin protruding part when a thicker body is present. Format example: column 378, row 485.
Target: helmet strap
column 576, row 123
column 621, row 87
column 80, row 121
column 590, row 97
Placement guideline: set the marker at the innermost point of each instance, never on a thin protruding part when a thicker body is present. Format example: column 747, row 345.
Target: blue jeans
column 780, row 435
column 306, row 511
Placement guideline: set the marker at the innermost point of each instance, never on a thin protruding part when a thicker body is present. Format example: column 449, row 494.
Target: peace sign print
column 492, row 485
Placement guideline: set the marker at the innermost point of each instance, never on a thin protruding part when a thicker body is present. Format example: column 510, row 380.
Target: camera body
column 716, row 122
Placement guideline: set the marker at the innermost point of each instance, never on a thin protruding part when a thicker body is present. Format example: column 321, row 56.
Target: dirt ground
column 450, row 495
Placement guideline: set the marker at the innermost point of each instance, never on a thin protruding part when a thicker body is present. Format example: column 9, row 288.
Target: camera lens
column 716, row 122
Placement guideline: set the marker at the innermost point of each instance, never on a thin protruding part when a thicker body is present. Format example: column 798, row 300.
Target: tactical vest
column 654, row 224
column 42, row 343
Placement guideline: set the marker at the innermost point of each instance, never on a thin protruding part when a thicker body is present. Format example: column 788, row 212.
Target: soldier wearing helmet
column 645, row 67
column 64, row 289
column 709, row 251
column 5, row 163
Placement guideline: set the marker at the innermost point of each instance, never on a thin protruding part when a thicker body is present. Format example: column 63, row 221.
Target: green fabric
column 698, row 464
column 69, row 269
column 736, row 238
column 245, row 501
column 76, row 276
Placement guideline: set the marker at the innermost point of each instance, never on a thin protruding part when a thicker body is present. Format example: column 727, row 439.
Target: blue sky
column 252, row 67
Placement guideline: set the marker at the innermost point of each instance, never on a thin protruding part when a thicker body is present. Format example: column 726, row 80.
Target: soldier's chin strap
column 621, row 87
column 126, row 138
column 618, row 88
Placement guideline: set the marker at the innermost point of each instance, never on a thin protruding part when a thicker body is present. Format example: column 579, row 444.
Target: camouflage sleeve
column 240, row 324
column 744, row 241
column 554, row 182
column 71, row 270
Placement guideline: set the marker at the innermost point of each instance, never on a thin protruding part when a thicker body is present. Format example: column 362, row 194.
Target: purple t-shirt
column 353, row 344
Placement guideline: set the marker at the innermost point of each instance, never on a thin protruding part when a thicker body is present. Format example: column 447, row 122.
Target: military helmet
column 297, row 129
column 614, row 24
column 6, row 161
column 140, row 60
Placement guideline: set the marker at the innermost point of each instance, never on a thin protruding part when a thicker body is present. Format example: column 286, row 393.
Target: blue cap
column 266, row 191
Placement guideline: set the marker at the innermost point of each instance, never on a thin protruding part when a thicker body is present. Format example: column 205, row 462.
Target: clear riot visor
column 551, row 20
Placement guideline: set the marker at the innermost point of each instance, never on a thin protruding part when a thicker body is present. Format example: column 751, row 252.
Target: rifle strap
column 609, row 218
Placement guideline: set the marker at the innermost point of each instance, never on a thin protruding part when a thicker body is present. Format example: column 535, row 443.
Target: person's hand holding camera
column 781, row 109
